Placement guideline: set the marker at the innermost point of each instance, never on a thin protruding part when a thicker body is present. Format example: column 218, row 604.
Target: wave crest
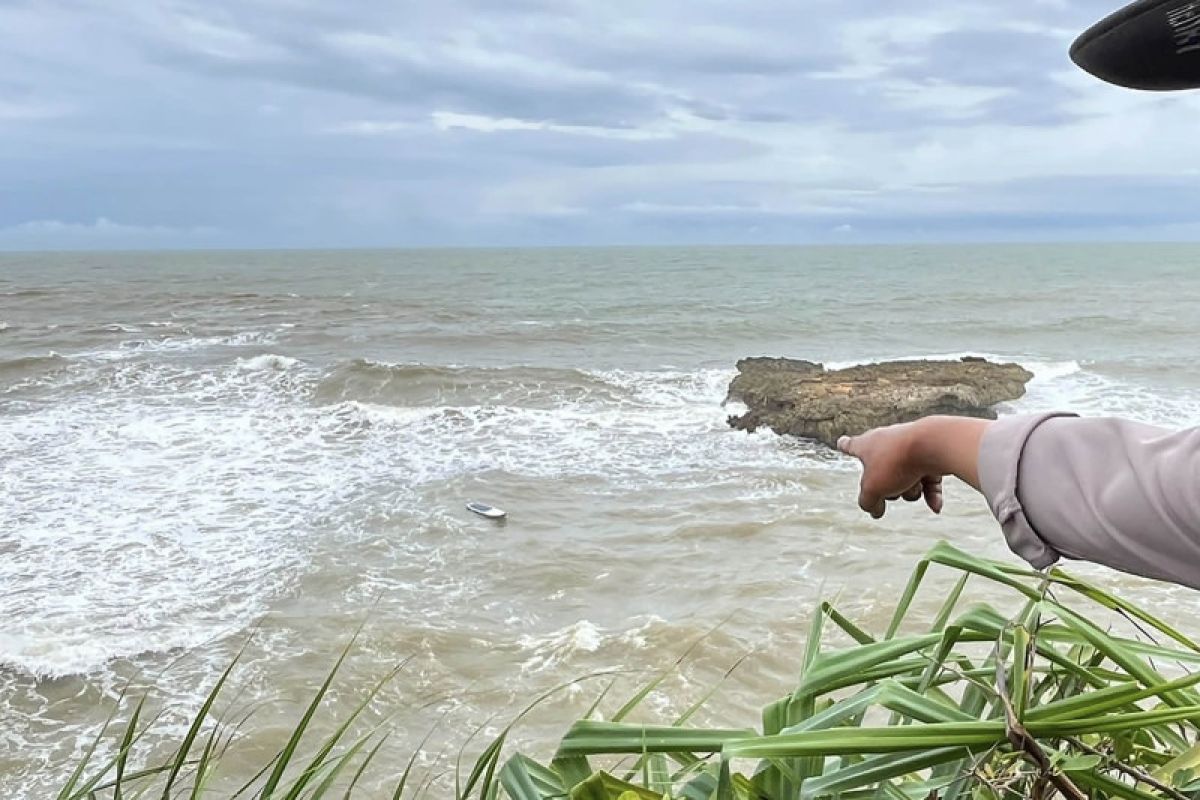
column 381, row 383
column 28, row 367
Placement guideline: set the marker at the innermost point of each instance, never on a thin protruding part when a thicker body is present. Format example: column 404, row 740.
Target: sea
column 218, row 456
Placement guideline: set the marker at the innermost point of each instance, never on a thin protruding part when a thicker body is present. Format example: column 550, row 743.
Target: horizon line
column 615, row 246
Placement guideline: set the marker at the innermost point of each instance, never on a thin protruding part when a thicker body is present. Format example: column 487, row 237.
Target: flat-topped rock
column 802, row 398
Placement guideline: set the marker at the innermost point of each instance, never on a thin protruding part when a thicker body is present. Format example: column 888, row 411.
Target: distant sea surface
column 197, row 448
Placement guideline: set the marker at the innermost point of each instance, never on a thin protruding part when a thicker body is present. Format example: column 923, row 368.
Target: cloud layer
column 298, row 123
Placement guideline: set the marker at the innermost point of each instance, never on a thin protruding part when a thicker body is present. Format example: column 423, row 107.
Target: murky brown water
column 197, row 447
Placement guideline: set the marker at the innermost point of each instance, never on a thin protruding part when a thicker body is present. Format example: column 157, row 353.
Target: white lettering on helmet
column 1185, row 23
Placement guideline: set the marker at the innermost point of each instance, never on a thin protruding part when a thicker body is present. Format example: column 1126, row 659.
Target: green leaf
column 1188, row 760
column 872, row 771
column 68, row 789
column 525, row 779
column 318, row 760
column 603, row 786
column 126, row 746
column 609, row 738
column 1085, row 763
column 289, row 749
column 194, row 729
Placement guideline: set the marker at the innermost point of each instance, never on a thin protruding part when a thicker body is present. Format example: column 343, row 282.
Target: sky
column 298, row 123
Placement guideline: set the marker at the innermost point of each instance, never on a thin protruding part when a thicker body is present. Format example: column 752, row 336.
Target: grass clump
column 971, row 705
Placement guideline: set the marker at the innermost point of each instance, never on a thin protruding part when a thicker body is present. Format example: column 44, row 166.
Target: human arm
column 909, row 461
column 1110, row 491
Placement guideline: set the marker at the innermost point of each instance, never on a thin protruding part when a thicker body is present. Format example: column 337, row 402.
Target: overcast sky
column 257, row 123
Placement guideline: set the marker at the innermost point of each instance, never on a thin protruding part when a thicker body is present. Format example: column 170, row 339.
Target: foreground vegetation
column 1080, row 695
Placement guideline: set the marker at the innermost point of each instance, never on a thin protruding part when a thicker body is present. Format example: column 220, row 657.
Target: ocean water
column 203, row 449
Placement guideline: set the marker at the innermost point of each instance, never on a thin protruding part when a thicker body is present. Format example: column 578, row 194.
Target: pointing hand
column 909, row 461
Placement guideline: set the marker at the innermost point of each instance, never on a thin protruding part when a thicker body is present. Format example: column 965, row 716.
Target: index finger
column 849, row 446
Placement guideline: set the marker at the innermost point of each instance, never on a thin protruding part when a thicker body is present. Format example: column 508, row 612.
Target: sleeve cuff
column 999, row 476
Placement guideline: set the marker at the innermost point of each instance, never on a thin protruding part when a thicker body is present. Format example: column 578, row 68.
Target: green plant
column 973, row 706
column 1045, row 704
column 188, row 773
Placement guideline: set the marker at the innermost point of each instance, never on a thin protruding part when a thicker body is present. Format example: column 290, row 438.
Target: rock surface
column 801, row 398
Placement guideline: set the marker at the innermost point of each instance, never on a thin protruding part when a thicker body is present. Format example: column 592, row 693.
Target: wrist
column 947, row 446
column 923, row 446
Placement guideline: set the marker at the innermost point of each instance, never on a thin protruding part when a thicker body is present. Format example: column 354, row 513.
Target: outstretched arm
column 1110, row 491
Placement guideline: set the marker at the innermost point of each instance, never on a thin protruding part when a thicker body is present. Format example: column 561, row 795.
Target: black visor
column 1150, row 44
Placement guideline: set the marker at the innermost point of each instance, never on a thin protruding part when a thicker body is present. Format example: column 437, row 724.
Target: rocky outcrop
column 801, row 398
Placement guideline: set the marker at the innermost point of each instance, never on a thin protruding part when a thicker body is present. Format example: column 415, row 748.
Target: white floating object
column 484, row 510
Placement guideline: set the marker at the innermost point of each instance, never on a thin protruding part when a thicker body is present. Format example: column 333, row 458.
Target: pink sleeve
column 1110, row 491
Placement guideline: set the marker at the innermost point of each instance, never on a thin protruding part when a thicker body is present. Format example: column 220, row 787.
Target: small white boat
column 484, row 510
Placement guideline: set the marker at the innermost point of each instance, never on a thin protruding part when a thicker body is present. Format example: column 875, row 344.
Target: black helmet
column 1149, row 44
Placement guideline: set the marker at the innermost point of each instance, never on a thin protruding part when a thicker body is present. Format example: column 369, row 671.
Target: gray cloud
column 293, row 122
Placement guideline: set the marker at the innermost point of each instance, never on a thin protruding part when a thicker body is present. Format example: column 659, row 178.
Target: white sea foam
column 168, row 345
column 624, row 446
column 143, row 516
column 1046, row 371
column 699, row 390
column 1069, row 385
column 195, row 495
column 241, row 339
column 550, row 650
column 268, row 362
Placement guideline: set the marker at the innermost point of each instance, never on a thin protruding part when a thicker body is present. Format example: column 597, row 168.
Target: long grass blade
column 185, row 746
column 289, row 749
column 68, row 789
